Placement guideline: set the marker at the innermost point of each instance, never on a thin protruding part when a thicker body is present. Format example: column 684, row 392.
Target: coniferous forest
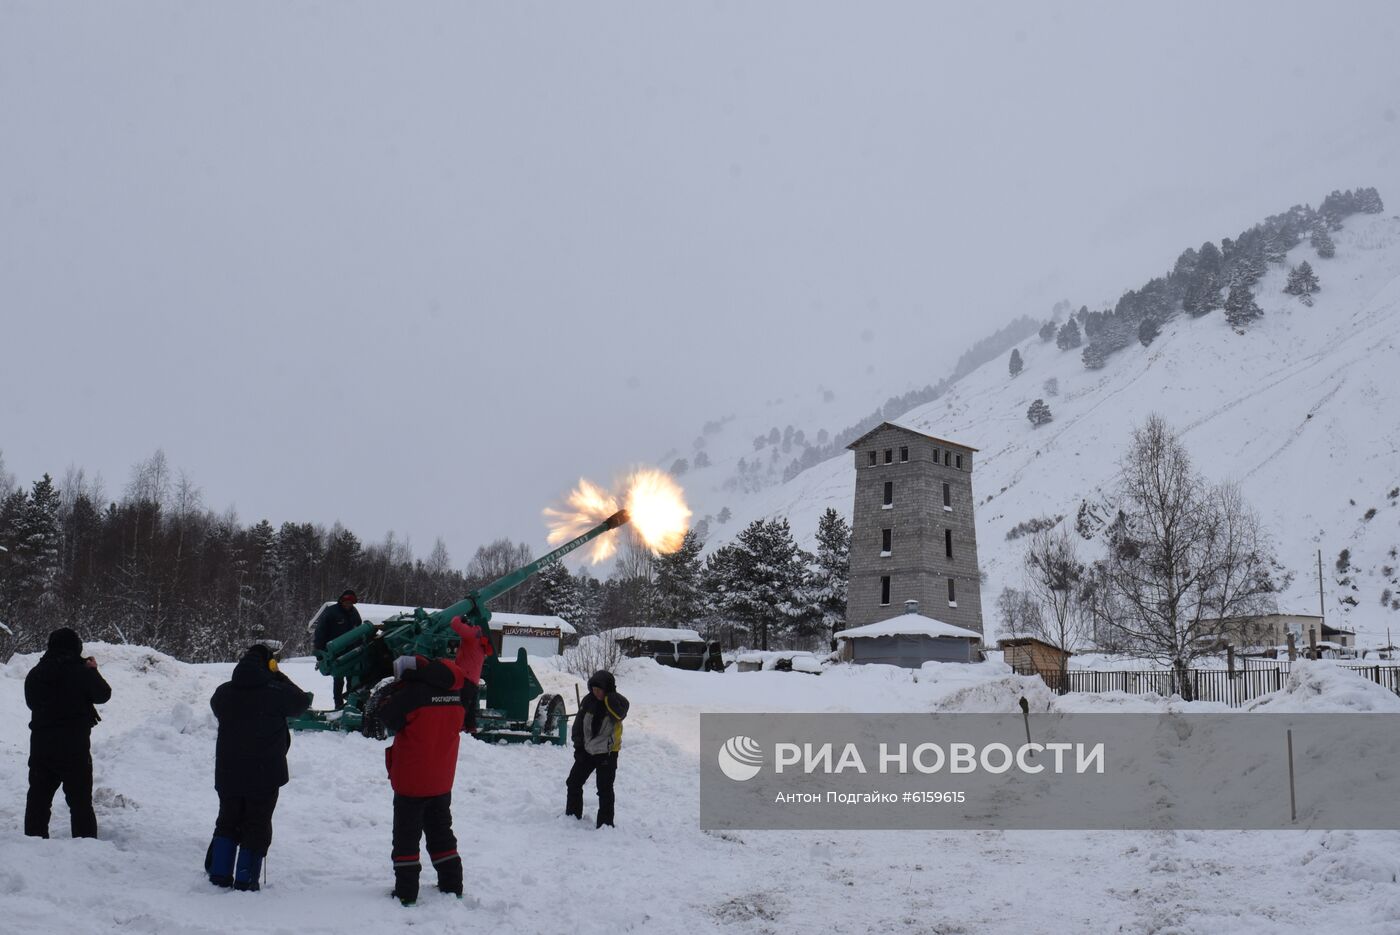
column 156, row 567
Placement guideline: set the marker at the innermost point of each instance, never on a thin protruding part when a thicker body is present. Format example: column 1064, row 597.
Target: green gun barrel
column 352, row 655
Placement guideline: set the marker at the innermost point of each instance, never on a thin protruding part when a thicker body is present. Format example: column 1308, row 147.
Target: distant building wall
column 911, row 650
column 917, row 563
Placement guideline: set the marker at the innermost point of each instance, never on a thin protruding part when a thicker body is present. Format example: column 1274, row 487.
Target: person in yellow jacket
column 597, row 735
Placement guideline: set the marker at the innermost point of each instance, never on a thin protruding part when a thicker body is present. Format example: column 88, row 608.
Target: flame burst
column 652, row 498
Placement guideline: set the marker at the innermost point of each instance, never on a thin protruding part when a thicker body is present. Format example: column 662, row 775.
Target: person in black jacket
column 250, row 764
column 335, row 620
column 597, row 736
column 61, row 691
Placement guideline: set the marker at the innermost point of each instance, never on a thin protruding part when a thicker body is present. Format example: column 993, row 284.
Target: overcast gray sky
column 419, row 266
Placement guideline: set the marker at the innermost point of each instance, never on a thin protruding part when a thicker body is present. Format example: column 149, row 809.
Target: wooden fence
column 1232, row 688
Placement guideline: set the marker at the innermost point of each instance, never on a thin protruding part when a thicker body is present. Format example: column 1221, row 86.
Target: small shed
column 1028, row 654
column 676, row 647
column 909, row 640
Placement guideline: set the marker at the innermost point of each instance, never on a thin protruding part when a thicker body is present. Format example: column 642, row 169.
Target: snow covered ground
column 531, row 870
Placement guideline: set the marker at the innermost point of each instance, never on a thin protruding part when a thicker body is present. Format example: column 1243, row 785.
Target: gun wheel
column 550, row 722
column 370, row 724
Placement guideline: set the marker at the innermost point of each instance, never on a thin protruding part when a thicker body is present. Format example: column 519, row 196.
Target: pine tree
column 556, row 593
column 831, row 569
column 1202, row 295
column 724, row 515
column 1302, row 282
column 1015, row 364
column 1148, row 331
column 762, row 581
column 1068, row 338
column 1039, row 413
column 12, row 505
column 590, row 598
column 1368, row 201
column 1047, row 331
column 702, row 460
column 1322, row 242
column 678, row 597
column 31, row 564
column 1094, row 357
column 1240, row 307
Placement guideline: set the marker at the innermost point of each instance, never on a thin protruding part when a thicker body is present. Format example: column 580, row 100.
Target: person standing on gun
column 471, row 656
column 336, row 620
column 424, row 710
column 250, row 764
column 597, row 735
column 61, row 691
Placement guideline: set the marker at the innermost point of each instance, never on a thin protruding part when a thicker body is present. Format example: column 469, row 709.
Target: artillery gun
column 364, row 657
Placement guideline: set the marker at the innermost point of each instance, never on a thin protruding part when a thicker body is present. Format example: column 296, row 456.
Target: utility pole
column 1321, row 607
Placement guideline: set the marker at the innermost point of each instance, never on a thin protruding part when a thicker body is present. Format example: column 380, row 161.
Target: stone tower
column 912, row 532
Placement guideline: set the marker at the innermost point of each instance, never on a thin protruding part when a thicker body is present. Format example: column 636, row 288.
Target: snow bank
column 799, row 660
column 1321, row 686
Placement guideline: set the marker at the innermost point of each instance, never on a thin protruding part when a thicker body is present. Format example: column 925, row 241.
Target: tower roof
column 912, row 431
column 907, row 625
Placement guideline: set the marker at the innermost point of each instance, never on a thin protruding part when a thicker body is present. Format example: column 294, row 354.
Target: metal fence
column 1231, row 688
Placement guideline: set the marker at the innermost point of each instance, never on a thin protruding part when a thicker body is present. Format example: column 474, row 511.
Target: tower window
column 948, row 542
column 903, row 454
column 889, row 493
column 872, row 459
column 886, row 541
column 935, row 456
column 947, row 497
column 959, row 459
column 947, row 458
column 889, row 455
column 884, row 590
column 952, row 594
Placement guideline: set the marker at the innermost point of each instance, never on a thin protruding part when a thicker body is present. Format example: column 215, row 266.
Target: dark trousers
column 247, row 820
column 585, row 764
column 429, row 817
column 47, row 772
column 469, row 702
column 338, row 691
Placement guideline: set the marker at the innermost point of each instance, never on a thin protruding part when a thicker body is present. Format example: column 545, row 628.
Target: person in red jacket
column 425, row 714
column 471, row 656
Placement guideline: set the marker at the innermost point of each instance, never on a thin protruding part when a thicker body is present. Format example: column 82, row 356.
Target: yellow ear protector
column 272, row 664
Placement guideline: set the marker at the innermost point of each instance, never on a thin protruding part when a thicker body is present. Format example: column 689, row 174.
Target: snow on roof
column 664, row 634
column 378, row 613
column 908, row 625
column 531, row 620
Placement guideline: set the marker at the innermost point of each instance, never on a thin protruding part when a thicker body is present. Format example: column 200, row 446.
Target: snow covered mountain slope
column 1303, row 410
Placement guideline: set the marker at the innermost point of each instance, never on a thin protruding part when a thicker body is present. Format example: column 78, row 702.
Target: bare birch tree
column 1182, row 555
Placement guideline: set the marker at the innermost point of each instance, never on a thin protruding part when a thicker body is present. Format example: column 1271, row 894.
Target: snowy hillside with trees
column 1271, row 355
